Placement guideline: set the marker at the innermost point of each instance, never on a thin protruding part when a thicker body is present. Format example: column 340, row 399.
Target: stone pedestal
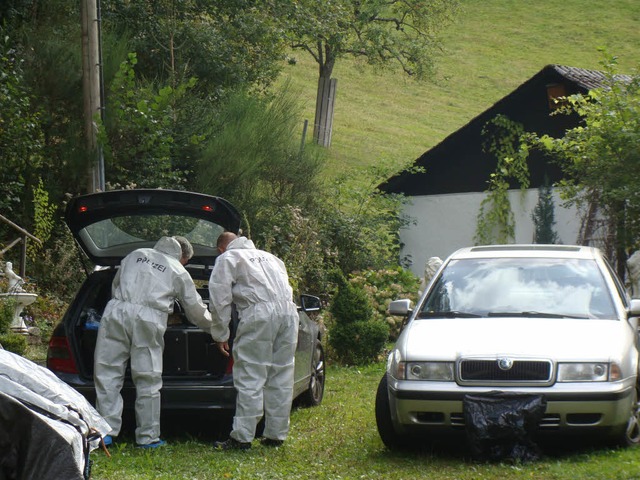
column 21, row 299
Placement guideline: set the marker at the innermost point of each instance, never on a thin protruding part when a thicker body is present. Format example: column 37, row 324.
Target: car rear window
column 572, row 288
column 131, row 230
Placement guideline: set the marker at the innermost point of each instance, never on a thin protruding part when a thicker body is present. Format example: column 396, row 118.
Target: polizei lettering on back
column 259, row 259
column 157, row 266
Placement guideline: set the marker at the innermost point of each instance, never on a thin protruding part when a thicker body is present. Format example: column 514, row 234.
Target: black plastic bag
column 501, row 425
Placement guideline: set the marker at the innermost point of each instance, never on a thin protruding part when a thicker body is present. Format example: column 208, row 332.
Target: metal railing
column 24, row 236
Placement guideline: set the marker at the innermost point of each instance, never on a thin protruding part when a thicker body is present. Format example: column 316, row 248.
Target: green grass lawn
column 339, row 440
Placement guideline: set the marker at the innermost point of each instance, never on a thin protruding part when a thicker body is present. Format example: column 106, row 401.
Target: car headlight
column 587, row 372
column 429, row 371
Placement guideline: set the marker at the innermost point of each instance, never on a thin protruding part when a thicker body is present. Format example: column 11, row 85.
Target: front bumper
column 570, row 407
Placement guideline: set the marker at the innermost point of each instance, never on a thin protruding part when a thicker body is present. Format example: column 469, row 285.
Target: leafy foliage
column 384, row 286
column 58, row 270
column 601, row 157
column 224, row 44
column 21, row 136
column 380, row 32
column 139, row 131
column 363, row 223
column 297, row 239
column 43, row 220
column 496, row 223
column 13, row 342
column 7, row 307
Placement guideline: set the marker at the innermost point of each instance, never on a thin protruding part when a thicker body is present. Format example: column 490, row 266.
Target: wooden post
column 325, row 101
column 305, row 125
column 91, row 87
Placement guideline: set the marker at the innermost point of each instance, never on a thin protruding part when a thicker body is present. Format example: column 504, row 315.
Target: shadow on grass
column 179, row 427
column 457, row 449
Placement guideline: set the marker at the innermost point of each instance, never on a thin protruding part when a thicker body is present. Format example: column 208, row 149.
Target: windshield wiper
column 533, row 314
column 448, row 314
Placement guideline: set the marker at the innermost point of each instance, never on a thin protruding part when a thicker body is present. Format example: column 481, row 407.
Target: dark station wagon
column 196, row 377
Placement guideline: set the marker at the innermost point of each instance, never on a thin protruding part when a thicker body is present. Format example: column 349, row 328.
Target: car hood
column 110, row 225
column 557, row 339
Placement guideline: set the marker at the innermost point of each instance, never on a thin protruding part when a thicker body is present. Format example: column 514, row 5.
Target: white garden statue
column 633, row 268
column 19, row 296
column 15, row 281
column 430, row 268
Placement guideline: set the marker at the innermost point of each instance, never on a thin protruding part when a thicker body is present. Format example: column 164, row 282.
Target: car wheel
column 312, row 397
column 386, row 430
column 631, row 436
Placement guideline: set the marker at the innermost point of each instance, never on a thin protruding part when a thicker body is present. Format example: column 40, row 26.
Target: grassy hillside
column 495, row 45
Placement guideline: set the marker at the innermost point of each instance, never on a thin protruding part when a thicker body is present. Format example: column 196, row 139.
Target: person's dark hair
column 185, row 246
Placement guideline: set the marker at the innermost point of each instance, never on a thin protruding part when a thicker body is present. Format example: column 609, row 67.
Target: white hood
column 557, row 339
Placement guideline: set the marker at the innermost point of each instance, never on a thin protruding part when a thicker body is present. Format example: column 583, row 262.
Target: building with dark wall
column 445, row 199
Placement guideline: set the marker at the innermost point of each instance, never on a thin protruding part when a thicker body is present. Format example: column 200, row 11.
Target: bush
column 351, row 303
column 14, row 343
column 355, row 336
column 358, row 343
column 58, row 270
column 7, row 307
column 383, row 286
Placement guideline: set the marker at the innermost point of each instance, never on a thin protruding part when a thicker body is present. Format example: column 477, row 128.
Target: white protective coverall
column 266, row 338
column 133, row 324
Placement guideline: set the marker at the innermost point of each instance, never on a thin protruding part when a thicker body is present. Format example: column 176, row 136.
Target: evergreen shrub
column 355, row 336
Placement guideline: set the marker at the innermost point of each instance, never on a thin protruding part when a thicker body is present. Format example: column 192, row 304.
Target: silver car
column 543, row 320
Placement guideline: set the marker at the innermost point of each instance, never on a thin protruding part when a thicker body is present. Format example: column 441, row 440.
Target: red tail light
column 59, row 358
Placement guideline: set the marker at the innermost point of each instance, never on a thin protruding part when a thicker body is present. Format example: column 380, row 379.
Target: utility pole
column 92, row 90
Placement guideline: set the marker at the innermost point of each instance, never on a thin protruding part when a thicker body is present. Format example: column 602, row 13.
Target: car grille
column 538, row 371
column 549, row 421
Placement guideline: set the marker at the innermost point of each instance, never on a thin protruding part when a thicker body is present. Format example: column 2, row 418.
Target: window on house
column 555, row 91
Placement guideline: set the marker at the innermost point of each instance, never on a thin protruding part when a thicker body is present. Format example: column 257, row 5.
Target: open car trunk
column 188, row 352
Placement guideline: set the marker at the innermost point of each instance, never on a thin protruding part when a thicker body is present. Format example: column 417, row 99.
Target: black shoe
column 232, row 444
column 270, row 442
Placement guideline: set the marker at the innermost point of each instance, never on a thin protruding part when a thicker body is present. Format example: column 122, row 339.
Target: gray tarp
column 47, row 429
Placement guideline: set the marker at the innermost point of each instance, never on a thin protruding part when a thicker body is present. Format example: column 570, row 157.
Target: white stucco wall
column 445, row 223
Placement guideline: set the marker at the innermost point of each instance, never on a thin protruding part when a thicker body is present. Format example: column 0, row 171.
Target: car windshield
column 531, row 287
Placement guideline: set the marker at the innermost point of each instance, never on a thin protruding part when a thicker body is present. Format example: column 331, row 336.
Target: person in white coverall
column 266, row 338
column 144, row 290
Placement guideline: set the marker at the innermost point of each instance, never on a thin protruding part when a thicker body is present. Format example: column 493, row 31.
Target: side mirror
column 309, row 303
column 400, row 308
column 634, row 308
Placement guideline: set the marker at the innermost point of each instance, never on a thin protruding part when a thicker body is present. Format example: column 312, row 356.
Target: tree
column 21, row 137
column 601, row 157
column 381, row 32
column 224, row 44
column 139, row 134
column 543, row 216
